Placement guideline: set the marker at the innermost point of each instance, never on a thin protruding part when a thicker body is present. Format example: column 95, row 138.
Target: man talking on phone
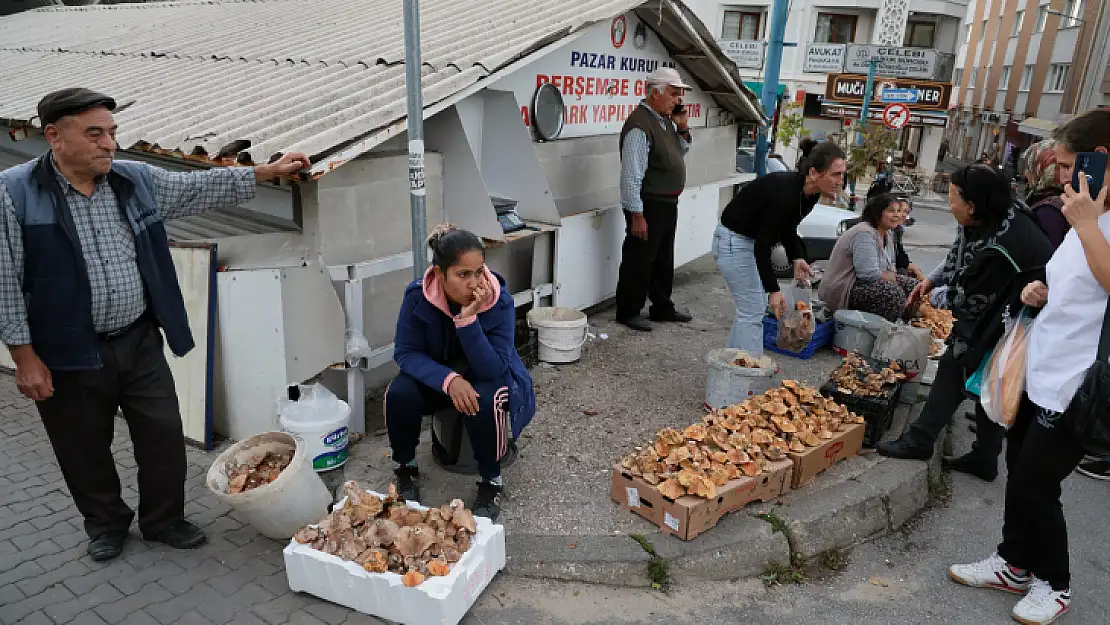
column 653, row 143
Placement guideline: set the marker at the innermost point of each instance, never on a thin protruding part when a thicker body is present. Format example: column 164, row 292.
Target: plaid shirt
column 108, row 244
column 637, row 147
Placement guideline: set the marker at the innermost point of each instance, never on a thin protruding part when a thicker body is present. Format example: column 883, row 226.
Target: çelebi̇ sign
column 850, row 88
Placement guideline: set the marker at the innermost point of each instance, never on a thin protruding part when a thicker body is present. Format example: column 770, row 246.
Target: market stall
column 308, row 277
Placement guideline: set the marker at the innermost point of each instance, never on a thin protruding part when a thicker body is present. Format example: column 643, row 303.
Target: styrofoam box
column 438, row 600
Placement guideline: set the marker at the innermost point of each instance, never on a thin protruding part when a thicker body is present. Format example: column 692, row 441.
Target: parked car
column 819, row 231
column 745, row 162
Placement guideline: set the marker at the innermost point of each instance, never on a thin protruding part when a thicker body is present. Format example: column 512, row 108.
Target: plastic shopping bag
column 797, row 326
column 1004, row 377
column 906, row 345
column 309, row 403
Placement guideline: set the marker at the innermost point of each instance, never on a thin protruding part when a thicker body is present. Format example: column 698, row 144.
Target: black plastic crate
column 527, row 344
column 878, row 411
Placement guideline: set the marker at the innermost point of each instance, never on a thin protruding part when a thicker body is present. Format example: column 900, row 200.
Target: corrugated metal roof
column 248, row 79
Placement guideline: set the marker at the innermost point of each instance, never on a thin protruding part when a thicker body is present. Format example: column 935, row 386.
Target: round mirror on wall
column 547, row 112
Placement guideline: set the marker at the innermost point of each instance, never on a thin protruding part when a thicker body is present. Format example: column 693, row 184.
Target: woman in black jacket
column 999, row 249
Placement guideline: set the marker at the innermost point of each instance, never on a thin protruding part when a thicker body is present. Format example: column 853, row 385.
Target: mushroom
column 383, row 533
column 414, row 541
column 412, row 579
column 439, row 568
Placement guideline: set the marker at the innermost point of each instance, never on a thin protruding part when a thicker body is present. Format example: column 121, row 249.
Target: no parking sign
column 895, row 116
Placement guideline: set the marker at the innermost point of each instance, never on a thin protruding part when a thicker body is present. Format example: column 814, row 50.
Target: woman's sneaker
column 488, row 501
column 994, row 572
column 1098, row 469
column 1042, row 605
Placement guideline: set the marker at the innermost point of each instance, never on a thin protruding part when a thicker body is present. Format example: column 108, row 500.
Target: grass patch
column 940, row 490
column 833, row 559
column 779, row 574
column 658, row 569
column 778, row 524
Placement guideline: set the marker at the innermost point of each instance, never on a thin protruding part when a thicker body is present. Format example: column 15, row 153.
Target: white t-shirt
column 1064, row 339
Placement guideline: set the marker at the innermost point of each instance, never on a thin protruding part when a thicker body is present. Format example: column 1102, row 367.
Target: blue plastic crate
column 822, row 337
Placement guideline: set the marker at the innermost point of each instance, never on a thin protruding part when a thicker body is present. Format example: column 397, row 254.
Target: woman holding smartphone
column 1041, row 450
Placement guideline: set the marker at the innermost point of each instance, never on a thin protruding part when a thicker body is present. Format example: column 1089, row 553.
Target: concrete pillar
column 890, row 23
column 931, row 137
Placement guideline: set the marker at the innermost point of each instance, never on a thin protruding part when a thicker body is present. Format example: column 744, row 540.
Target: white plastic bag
column 797, row 326
column 1003, row 382
column 906, row 345
column 311, row 403
column 357, row 347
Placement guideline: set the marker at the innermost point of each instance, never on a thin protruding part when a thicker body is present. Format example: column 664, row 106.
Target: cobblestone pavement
column 46, row 577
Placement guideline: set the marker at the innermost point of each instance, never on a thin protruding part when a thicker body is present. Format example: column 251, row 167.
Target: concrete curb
column 856, row 500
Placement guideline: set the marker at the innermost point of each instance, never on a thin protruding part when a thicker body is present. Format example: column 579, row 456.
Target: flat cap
column 56, row 105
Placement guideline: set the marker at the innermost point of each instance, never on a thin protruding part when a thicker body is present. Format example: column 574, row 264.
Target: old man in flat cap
column 88, row 290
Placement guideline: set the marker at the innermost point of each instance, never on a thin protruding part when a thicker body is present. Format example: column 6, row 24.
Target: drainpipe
column 418, row 196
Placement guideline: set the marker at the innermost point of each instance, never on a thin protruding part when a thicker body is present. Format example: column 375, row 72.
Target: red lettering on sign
column 638, row 91
column 524, row 114
column 834, row 449
column 541, row 80
column 612, row 111
column 624, row 86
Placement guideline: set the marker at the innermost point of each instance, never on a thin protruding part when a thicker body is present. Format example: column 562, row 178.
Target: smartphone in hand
column 678, row 109
column 1093, row 166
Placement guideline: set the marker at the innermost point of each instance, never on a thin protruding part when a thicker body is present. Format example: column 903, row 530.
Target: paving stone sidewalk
column 46, row 577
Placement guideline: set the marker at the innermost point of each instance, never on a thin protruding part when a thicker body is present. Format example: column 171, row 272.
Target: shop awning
column 757, row 87
column 1037, row 127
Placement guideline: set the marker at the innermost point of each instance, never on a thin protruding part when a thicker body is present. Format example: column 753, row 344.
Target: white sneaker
column 994, row 572
column 1042, row 605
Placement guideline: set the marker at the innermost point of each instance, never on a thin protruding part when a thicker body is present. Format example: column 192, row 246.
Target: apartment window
column 1042, row 17
column 1073, row 9
column 920, row 34
column 742, row 25
column 1057, row 77
column 1004, row 81
column 1026, row 78
column 1019, row 17
column 967, row 35
column 835, row 28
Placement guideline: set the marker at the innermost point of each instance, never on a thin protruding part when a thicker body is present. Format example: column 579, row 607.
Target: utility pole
column 867, row 93
column 418, row 194
column 770, row 93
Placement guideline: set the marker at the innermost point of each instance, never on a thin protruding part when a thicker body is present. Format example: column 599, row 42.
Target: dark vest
column 666, row 172
column 56, row 286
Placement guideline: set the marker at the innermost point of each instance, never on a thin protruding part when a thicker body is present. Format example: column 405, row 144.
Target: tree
column 877, row 143
column 791, row 124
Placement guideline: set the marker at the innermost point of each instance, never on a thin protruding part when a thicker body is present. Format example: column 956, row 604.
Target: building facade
column 821, row 59
column 1024, row 66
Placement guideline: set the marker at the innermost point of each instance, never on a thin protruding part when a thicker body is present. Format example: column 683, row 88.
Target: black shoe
column 673, row 316
column 180, row 535
column 904, row 450
column 107, row 546
column 974, row 429
column 488, row 501
column 970, row 416
column 972, row 464
column 407, row 486
column 637, row 323
column 1098, row 469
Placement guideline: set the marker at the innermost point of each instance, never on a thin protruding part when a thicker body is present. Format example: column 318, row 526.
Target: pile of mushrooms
column 855, row 377
column 258, row 471
column 386, row 535
column 738, row 441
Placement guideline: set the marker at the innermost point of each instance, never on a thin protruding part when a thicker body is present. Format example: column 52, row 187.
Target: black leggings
column 1040, row 453
column 407, row 401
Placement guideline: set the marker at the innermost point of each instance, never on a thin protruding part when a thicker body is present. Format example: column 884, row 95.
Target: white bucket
column 562, row 333
column 856, row 331
column 278, row 509
column 728, row 384
column 322, row 420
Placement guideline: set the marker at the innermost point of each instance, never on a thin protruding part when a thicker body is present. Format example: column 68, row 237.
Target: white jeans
column 735, row 256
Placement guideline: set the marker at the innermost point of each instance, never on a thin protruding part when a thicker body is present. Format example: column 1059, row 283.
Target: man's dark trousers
column 80, row 421
column 647, row 267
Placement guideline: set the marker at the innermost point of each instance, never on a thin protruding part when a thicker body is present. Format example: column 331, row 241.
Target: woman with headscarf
column 1045, row 189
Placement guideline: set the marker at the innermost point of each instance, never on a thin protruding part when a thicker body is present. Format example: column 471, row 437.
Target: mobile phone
column 1093, row 165
column 678, row 109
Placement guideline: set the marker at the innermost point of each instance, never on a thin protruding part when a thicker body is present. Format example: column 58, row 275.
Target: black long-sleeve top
column 769, row 209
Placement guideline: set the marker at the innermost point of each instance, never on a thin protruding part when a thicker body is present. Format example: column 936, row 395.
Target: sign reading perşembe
column 850, row 88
